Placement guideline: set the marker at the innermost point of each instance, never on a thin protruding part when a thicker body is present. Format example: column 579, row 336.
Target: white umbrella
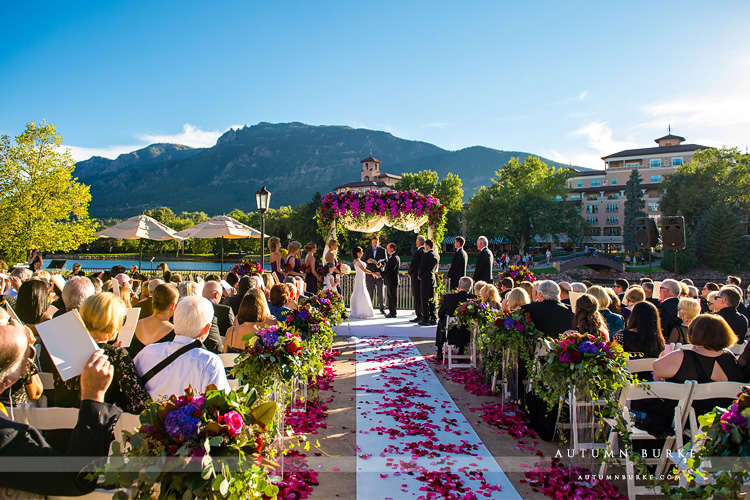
column 139, row 227
column 220, row 226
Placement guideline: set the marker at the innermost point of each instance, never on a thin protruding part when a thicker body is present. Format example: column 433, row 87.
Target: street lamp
column 262, row 198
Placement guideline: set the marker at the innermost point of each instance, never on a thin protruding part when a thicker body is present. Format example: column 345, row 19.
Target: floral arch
column 368, row 212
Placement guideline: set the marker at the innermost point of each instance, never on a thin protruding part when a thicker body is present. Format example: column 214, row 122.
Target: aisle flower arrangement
column 725, row 444
column 247, row 267
column 211, row 445
column 272, row 355
column 518, row 274
column 512, row 330
column 590, row 364
column 473, row 312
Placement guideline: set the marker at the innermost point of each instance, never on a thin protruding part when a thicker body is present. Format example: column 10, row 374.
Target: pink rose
column 234, row 422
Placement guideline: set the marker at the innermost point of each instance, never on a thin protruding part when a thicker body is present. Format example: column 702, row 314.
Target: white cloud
column 191, row 136
column 111, row 152
column 583, row 95
column 600, row 143
column 576, row 158
column 435, row 125
column 720, row 110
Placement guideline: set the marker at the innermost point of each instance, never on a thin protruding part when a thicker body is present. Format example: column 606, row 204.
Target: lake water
column 174, row 265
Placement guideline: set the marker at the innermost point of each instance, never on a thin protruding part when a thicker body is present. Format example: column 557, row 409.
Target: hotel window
column 655, row 179
column 654, row 163
column 580, row 184
column 595, row 183
column 676, row 162
column 575, row 196
column 612, row 219
column 653, row 207
column 614, row 181
column 592, row 220
column 632, row 165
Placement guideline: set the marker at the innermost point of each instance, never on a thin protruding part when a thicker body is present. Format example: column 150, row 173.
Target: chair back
column 48, row 381
column 228, row 359
column 641, row 365
column 717, row 390
column 682, row 393
column 738, row 349
column 50, row 418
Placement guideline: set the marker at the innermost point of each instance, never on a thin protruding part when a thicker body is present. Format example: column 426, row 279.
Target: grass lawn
column 644, row 269
column 544, row 270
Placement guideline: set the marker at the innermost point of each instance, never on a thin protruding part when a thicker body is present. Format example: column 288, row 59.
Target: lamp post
column 262, row 199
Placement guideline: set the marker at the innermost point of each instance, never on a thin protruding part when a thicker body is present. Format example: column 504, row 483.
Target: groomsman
column 428, row 269
column 483, row 269
column 414, row 275
column 458, row 265
column 375, row 259
column 390, row 278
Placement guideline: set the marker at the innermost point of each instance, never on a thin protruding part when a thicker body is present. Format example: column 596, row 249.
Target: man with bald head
column 222, row 320
column 91, row 436
column 146, row 305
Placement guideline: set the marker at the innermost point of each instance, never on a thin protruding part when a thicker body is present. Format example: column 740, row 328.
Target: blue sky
column 571, row 81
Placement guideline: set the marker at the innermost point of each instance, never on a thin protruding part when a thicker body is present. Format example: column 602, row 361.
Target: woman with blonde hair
column 687, row 310
column 187, row 289
column 516, row 298
column 277, row 264
column 252, row 315
column 478, row 288
column 633, row 295
column 104, row 314
column 615, row 322
column 491, row 296
column 293, row 265
column 157, row 327
column 587, row 317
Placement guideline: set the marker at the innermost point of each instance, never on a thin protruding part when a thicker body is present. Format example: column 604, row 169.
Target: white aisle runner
column 412, row 440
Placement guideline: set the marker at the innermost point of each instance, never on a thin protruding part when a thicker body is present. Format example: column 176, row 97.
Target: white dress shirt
column 198, row 367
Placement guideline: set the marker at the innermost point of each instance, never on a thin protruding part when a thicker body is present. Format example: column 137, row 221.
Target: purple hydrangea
column 588, row 348
column 181, row 423
column 303, row 315
column 509, row 324
column 520, row 327
column 269, row 339
column 565, row 357
column 731, row 418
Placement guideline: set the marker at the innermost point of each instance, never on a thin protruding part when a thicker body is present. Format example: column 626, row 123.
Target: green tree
column 524, row 201
column 41, row 204
column 712, row 177
column 718, row 232
column 634, row 208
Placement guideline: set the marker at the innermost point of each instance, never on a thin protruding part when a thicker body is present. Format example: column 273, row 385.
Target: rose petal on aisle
column 414, row 441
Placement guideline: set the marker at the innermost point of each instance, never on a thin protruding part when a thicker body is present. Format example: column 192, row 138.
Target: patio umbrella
column 139, row 227
column 220, row 226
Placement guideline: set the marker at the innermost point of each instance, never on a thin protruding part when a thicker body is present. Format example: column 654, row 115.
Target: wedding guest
column 669, row 293
column 428, row 269
column 177, row 278
column 166, row 273
column 633, row 295
column 223, row 313
column 77, row 289
column 615, row 303
column 725, row 305
column 648, row 289
column 29, row 386
column 565, row 289
column 243, row 285
column 578, row 287
column 448, row 308
column 279, row 298
column 507, row 285
column 277, row 264
column 588, row 318
column 157, row 327
column 146, row 304
column 253, row 315
column 189, row 288
column 694, row 293
column 516, row 299
column 483, row 267
column 103, row 315
column 550, row 316
column 77, row 271
column 313, row 264
column 290, row 285
column 458, row 264
column 684, row 290
column 32, row 303
column 478, row 287
column 614, row 322
column 620, row 287
column 711, row 301
column 232, row 280
column 643, row 333
column 687, row 310
column 413, row 272
column 491, row 296
column 528, row 288
column 90, row 438
column 168, row 368
column 97, row 282
column 267, row 281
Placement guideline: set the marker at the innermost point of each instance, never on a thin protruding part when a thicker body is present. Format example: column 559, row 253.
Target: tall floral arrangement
column 518, row 274
column 393, row 205
column 247, row 267
column 211, row 445
column 510, row 330
column 475, row 313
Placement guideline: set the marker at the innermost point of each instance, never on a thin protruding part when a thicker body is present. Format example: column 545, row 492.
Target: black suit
column 90, row 438
column 390, row 279
column 737, row 322
column 224, row 317
column 483, row 269
column 233, row 302
column 372, row 283
column 213, row 342
column 668, row 315
column 458, row 268
column 428, row 268
column 448, row 308
column 550, row 317
column 414, row 275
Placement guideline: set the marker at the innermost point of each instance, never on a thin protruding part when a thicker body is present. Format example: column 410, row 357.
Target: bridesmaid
column 330, row 257
column 277, row 266
column 294, row 264
column 311, row 278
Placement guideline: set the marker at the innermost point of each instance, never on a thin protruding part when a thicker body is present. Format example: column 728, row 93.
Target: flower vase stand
column 298, row 395
column 583, row 425
column 452, row 357
column 510, row 382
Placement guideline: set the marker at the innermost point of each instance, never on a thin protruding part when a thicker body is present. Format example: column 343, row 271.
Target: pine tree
column 634, row 205
column 721, row 238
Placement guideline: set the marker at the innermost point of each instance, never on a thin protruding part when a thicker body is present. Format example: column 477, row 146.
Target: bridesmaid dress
column 311, row 282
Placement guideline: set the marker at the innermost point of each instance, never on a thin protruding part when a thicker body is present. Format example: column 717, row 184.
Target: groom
column 390, row 278
column 375, row 258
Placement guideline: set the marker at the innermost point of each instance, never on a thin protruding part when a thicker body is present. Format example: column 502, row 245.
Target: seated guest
column 17, row 276
column 614, row 301
column 103, row 315
column 694, row 293
column 188, row 288
column 633, row 295
column 516, row 299
column 291, row 285
column 669, row 294
column 29, row 386
column 578, row 287
column 243, row 285
column 684, row 290
column 491, row 296
column 478, row 288
column 278, row 299
column 168, row 368
column 156, row 328
column 448, row 308
column 588, row 318
column 507, row 285
column 565, row 289
column 648, row 289
column 620, row 287
column 252, row 316
column 643, row 334
column 550, row 316
column 77, row 289
column 614, row 322
column 725, row 305
column 146, row 304
column 709, row 360
column 90, row 438
column 687, row 310
column 32, row 303
column 528, row 288
column 710, row 287
column 97, row 282
column 223, row 313
column 232, row 280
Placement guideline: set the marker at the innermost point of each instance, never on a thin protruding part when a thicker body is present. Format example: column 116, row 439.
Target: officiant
column 375, row 258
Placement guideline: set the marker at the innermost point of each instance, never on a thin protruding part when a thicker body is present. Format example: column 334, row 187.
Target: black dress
column 16, row 394
column 137, row 346
column 311, row 282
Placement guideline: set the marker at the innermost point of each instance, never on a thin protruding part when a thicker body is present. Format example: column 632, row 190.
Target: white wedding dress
column 360, row 302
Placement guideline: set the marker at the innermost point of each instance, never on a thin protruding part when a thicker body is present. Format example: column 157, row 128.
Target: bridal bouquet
column 247, row 268
column 209, row 445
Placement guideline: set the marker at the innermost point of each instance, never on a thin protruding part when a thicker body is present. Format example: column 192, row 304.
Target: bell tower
column 370, row 168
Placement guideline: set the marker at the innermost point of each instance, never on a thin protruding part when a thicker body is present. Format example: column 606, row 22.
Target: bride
column 361, row 303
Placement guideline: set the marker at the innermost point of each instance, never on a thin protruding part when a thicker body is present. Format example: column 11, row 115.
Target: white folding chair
column 48, row 385
column 49, row 418
column 228, row 359
column 738, row 349
column 452, row 357
column 641, row 365
column 127, row 422
column 681, row 393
